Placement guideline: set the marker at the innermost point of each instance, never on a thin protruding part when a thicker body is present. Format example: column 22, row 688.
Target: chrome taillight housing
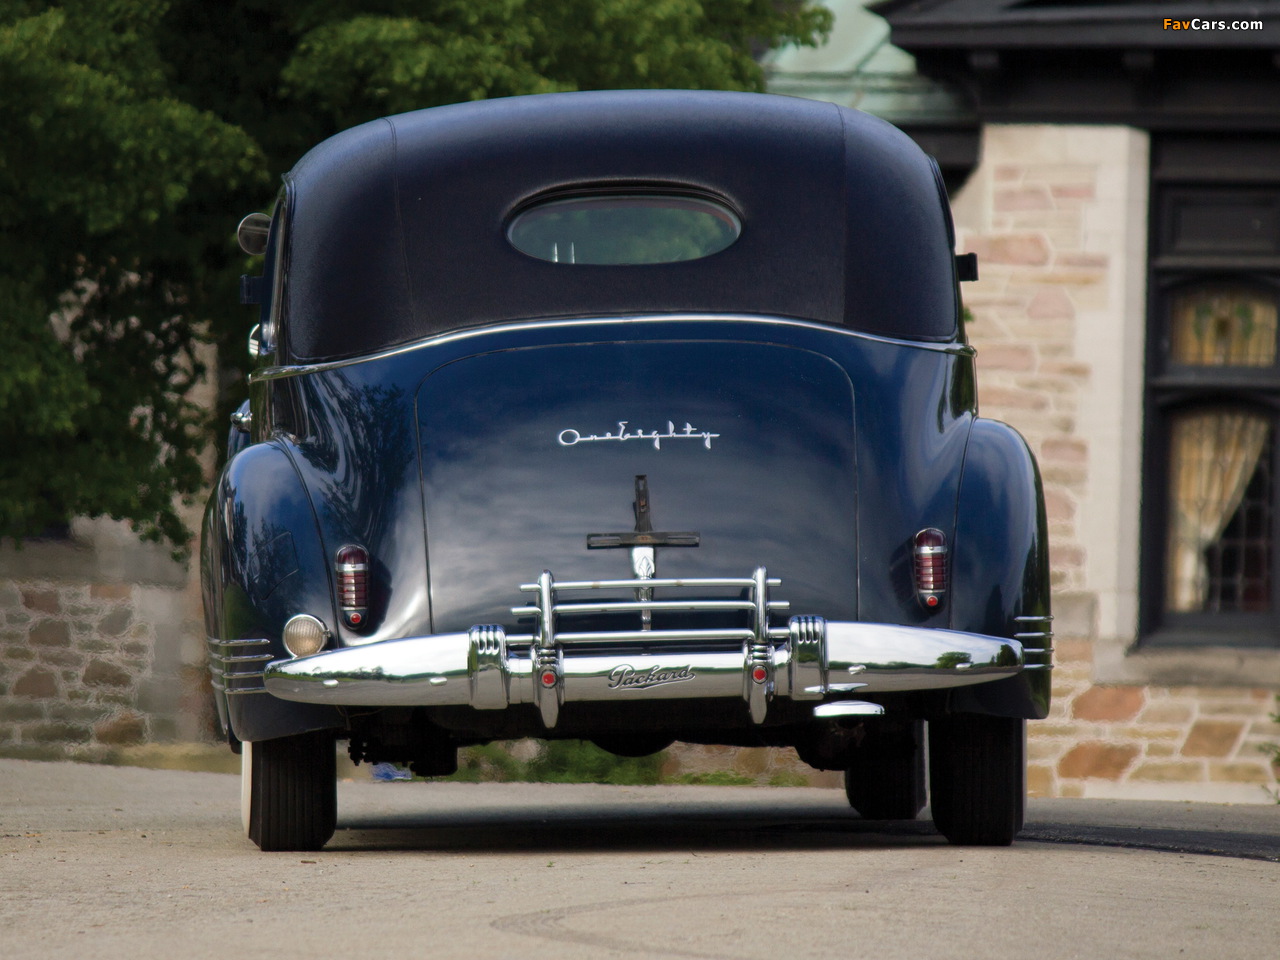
column 351, row 564
column 929, row 555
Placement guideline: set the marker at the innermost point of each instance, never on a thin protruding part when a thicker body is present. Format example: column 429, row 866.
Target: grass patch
column 715, row 778
column 558, row 761
column 198, row 757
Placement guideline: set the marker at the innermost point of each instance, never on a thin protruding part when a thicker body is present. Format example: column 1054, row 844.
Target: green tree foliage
column 98, row 164
column 134, row 134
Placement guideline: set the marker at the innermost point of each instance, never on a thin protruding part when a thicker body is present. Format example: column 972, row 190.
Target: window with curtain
column 1220, row 479
column 1211, row 489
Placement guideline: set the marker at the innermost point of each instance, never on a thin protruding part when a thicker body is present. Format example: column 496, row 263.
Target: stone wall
column 1058, row 218
column 1150, row 742
column 91, row 662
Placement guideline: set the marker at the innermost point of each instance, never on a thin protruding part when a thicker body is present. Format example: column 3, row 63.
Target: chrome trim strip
column 237, row 675
column 239, row 680
column 452, row 336
column 637, row 582
column 650, row 636
column 227, row 662
column 634, row 606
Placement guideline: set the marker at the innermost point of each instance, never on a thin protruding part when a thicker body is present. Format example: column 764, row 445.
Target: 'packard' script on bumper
column 625, row 676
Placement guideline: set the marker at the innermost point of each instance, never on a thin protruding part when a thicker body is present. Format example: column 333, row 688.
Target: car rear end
column 569, row 438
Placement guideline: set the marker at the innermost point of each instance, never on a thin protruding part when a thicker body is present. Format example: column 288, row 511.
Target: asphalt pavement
column 131, row 863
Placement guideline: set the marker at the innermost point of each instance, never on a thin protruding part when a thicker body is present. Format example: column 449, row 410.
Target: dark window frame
column 272, row 315
column 1188, row 170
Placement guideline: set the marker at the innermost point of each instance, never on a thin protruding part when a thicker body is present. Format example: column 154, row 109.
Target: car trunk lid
column 728, row 455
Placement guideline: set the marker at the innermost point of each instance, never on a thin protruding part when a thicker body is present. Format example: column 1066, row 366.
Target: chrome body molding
column 236, row 666
column 1035, row 633
column 809, row 658
column 485, row 330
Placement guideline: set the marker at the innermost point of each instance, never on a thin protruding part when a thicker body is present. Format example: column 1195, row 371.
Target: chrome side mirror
column 252, row 234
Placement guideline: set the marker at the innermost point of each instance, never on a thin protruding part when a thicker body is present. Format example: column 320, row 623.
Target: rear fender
column 1000, row 567
column 264, row 550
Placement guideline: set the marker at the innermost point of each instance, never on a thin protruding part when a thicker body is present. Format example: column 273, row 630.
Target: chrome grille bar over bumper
column 809, row 658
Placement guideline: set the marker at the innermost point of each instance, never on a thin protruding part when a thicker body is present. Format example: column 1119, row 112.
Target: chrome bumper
column 808, row 659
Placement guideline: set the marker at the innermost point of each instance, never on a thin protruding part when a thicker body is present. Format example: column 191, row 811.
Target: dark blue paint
column 833, row 447
column 443, row 460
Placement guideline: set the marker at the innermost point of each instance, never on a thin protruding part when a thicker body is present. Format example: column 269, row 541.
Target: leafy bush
column 558, row 761
column 579, row 761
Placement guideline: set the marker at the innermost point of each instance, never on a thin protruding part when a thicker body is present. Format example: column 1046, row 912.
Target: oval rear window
column 619, row 229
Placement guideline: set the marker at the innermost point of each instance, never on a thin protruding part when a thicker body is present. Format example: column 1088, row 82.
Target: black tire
column 885, row 776
column 289, row 798
column 978, row 778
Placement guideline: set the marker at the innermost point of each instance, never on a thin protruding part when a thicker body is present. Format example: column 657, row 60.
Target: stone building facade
column 1058, row 217
column 99, row 647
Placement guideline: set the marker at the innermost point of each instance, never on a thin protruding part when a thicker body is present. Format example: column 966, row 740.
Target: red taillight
column 352, row 567
column 930, row 556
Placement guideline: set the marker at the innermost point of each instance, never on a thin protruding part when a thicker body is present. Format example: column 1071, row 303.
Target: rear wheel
column 977, row 778
column 288, row 791
column 885, row 776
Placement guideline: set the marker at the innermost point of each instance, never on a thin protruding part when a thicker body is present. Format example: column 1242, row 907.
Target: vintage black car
column 635, row 417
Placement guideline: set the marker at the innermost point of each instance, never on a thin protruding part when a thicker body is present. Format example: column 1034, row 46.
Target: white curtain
column 1213, row 457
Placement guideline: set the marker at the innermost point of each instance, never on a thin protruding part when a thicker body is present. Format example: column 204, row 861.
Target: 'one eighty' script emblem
column 626, row 677
column 571, row 438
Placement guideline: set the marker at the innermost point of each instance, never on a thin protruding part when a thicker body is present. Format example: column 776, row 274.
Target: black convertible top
column 397, row 228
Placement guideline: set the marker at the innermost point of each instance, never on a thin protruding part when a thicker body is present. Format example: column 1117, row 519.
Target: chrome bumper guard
column 809, row 658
